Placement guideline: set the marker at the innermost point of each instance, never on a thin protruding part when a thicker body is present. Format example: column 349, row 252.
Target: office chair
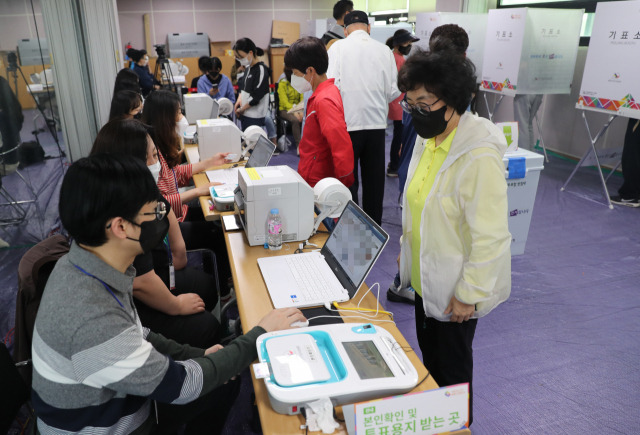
column 17, row 208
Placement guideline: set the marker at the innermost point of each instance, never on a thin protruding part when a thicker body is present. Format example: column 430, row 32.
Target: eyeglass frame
column 422, row 108
column 160, row 213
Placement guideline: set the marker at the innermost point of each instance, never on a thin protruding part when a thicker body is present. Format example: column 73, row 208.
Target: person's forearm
column 152, row 291
column 190, row 195
column 176, row 242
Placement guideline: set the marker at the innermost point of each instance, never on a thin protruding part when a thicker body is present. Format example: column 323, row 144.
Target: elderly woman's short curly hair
column 446, row 74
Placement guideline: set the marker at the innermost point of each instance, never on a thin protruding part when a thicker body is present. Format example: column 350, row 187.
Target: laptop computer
column 260, row 157
column 332, row 275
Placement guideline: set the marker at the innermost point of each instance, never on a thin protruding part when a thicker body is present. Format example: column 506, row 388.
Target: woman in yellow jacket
column 455, row 247
column 287, row 98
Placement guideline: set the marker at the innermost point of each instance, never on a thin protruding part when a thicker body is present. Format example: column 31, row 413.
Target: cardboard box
column 221, row 48
column 287, row 31
column 276, row 57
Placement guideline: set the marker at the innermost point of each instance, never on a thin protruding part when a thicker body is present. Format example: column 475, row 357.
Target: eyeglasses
column 421, row 108
column 160, row 212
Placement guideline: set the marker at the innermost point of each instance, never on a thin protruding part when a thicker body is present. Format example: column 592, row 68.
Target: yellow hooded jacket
column 465, row 247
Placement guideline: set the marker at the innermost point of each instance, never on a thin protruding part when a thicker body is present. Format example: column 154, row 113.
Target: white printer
column 218, row 136
column 261, row 189
column 199, row 106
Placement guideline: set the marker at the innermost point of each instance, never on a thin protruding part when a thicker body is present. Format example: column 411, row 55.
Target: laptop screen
column 353, row 247
column 261, row 154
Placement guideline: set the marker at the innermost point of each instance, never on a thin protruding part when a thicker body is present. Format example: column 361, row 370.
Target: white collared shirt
column 366, row 74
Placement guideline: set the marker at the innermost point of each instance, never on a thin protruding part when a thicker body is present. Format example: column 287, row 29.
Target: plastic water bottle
column 274, row 230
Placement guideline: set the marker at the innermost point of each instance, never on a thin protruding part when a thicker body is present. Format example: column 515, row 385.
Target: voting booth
column 474, row 24
column 522, row 171
column 530, row 51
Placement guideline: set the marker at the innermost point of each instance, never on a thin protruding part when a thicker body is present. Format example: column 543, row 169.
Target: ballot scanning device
column 346, row 362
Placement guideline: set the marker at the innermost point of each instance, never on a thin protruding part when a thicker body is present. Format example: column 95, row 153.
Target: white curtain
column 84, row 44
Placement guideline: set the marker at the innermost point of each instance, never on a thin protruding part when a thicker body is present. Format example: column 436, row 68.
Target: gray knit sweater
column 96, row 369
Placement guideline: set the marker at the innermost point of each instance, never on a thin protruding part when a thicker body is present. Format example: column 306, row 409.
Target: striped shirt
column 96, row 369
column 170, row 180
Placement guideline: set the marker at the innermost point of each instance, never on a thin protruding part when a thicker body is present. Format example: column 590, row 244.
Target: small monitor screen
column 355, row 243
column 367, row 360
column 261, row 154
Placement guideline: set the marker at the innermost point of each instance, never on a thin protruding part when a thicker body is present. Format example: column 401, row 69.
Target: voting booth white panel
column 531, row 51
column 522, row 171
column 610, row 82
column 474, row 24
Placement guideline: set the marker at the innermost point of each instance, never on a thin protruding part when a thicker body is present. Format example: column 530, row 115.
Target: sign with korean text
column 474, row 24
column 548, row 58
column 611, row 81
column 502, row 50
column 427, row 412
column 531, row 51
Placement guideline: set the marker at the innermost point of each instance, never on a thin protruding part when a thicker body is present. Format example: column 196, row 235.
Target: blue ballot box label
column 517, row 167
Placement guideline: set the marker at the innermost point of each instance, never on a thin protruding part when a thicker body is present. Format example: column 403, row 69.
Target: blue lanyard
column 168, row 248
column 175, row 179
column 101, row 282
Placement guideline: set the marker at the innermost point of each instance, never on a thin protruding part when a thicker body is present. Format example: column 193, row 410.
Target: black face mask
column 151, row 233
column 404, row 50
column 138, row 115
column 429, row 124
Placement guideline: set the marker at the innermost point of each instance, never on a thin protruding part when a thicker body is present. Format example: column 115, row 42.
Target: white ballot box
column 522, row 171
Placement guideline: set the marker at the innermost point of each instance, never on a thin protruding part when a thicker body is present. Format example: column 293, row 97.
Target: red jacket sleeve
column 330, row 115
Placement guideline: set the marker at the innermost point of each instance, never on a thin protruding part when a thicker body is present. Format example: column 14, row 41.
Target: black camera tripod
column 162, row 68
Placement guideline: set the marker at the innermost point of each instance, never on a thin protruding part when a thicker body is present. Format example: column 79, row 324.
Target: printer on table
column 261, row 189
column 218, row 136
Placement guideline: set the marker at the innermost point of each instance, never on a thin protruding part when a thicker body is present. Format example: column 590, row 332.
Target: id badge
column 172, row 277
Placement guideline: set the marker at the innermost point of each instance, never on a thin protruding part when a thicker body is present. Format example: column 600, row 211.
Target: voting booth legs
column 369, row 152
column 447, row 350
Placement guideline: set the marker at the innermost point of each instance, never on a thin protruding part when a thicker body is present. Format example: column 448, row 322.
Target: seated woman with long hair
column 182, row 313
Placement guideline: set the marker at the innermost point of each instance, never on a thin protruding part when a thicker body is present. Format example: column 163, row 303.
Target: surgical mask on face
column 181, row 127
column 245, row 61
column 404, row 50
column 429, row 124
column 155, row 170
column 300, row 84
column 152, row 233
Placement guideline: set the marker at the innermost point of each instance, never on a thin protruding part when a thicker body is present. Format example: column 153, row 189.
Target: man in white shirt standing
column 365, row 72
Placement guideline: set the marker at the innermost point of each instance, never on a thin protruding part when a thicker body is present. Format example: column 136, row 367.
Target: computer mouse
column 300, row 324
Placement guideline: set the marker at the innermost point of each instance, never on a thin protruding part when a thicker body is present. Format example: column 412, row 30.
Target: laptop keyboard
column 310, row 283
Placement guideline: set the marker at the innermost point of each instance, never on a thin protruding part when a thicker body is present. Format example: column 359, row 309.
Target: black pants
column 200, row 234
column 447, row 350
column 368, row 150
column 207, row 415
column 200, row 330
column 394, row 153
column 631, row 162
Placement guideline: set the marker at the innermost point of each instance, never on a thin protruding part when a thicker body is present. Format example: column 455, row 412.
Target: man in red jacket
column 325, row 148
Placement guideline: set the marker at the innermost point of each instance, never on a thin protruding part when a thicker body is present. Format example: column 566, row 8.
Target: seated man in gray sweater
column 96, row 369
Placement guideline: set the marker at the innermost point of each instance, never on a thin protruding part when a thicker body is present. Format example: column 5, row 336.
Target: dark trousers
column 368, row 150
column 631, row 162
column 201, row 329
column 200, row 234
column 447, row 350
column 206, row 415
column 245, row 122
column 394, row 153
